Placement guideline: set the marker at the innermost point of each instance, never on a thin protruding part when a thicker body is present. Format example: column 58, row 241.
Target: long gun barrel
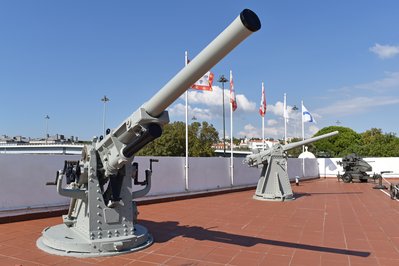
column 145, row 124
column 243, row 26
column 307, row 141
column 263, row 156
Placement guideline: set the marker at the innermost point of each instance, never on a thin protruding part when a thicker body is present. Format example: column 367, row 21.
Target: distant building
column 246, row 144
column 56, row 144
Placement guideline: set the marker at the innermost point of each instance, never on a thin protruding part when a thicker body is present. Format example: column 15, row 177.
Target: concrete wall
column 23, row 176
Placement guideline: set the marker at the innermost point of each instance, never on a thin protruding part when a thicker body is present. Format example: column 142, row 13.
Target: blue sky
column 59, row 58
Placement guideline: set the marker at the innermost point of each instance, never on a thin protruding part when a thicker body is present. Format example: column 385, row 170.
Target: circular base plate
column 56, row 240
column 288, row 198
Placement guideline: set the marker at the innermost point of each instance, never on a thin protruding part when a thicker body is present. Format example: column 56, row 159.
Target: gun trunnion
column 274, row 183
column 102, row 218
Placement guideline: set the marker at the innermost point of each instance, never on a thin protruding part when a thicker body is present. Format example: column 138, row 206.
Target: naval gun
column 274, row 183
column 102, row 216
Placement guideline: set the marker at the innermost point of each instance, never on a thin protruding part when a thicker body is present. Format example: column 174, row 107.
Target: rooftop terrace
column 330, row 223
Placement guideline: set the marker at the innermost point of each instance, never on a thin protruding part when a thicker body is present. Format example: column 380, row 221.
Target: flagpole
column 303, row 127
column 263, row 119
column 285, row 118
column 231, row 135
column 186, row 108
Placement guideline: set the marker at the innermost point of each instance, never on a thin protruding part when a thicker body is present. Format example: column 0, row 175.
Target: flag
column 285, row 114
column 306, row 115
column 205, row 82
column 232, row 93
column 262, row 108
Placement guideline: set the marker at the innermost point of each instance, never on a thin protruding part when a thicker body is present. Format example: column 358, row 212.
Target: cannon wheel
column 347, row 178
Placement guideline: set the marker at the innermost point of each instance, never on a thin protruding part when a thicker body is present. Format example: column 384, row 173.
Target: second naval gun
column 102, row 217
column 274, row 183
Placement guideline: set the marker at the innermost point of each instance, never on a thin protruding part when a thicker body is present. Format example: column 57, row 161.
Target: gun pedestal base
column 274, row 184
column 273, row 198
column 66, row 241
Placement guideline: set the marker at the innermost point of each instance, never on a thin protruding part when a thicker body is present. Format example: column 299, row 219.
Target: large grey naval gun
column 102, row 217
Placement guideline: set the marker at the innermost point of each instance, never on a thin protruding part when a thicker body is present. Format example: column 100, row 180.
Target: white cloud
column 271, row 122
column 214, row 98
column 251, row 131
column 199, row 113
column 385, row 51
column 356, row 105
column 313, row 129
column 391, row 81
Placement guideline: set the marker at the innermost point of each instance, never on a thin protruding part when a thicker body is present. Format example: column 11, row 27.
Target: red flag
column 232, row 93
column 204, row 83
column 262, row 108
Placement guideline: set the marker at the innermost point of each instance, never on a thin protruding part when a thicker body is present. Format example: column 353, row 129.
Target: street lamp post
column 223, row 80
column 105, row 99
column 295, row 108
column 47, row 119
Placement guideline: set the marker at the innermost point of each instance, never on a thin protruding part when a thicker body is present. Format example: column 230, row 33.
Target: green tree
column 374, row 143
column 295, row 152
column 346, row 142
column 172, row 142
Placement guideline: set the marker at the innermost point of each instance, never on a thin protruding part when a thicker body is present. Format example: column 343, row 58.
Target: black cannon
column 355, row 168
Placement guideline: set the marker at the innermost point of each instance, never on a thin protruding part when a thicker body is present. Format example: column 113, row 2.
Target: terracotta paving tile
column 330, row 223
column 177, row 261
column 276, row 260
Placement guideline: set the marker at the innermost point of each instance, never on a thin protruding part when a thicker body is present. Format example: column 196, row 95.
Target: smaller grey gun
column 274, row 183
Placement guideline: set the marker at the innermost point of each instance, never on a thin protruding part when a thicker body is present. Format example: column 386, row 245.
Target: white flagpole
column 186, row 98
column 303, row 126
column 285, row 118
column 263, row 117
column 231, row 136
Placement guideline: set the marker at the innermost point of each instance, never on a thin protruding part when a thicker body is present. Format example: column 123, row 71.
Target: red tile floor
column 330, row 223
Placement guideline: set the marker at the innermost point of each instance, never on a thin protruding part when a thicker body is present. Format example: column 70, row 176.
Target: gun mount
column 355, row 167
column 274, row 183
column 102, row 217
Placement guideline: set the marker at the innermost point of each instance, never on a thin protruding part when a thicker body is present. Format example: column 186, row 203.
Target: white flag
column 307, row 116
column 285, row 114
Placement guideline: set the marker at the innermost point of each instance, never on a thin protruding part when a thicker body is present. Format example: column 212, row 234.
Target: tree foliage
column 371, row 143
column 201, row 136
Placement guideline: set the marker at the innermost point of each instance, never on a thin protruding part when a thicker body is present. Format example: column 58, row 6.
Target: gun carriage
column 102, row 217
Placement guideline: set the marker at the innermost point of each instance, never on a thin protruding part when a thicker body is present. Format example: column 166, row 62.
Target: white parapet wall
column 329, row 167
column 23, row 176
